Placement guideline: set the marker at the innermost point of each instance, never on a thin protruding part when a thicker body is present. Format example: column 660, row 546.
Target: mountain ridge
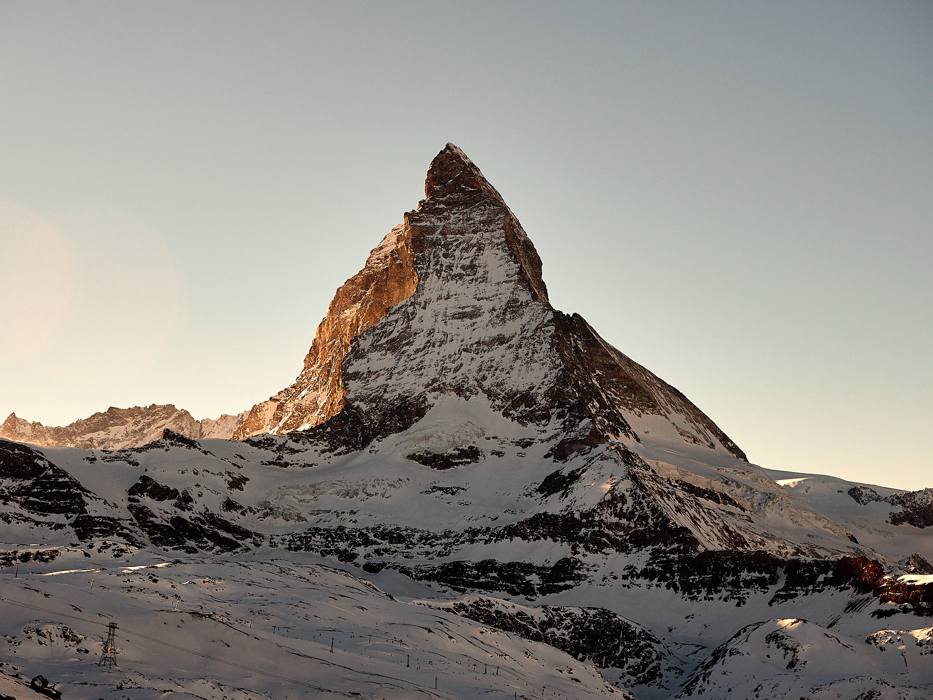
column 119, row 428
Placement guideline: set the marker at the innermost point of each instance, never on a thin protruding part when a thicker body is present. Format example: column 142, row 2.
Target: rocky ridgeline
column 119, row 428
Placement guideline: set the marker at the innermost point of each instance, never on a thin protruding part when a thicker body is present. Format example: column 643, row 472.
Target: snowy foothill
column 273, row 628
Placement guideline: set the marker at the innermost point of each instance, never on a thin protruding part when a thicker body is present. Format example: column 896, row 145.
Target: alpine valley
column 465, row 493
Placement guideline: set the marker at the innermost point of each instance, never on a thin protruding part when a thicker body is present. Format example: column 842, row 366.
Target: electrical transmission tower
column 108, row 653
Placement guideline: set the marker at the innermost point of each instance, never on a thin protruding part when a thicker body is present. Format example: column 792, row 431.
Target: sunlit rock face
column 118, row 428
column 318, row 393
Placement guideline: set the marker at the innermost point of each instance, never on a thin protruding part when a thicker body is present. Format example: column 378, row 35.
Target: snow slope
column 888, row 520
column 790, row 658
column 272, row 628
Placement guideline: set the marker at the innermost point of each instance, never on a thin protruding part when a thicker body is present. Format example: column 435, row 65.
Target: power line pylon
column 108, row 653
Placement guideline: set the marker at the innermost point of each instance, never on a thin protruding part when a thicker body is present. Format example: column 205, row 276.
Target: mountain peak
column 11, row 424
column 451, row 306
column 454, row 178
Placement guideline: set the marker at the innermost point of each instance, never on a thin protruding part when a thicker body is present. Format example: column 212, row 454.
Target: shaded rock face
column 31, row 484
column 119, row 428
column 36, row 492
column 205, row 531
column 916, row 507
column 452, row 302
column 588, row 634
column 614, row 388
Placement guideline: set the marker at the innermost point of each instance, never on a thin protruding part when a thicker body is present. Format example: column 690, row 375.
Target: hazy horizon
column 739, row 198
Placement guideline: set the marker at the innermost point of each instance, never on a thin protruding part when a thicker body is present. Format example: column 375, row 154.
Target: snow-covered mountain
column 452, row 302
column 117, row 428
column 505, row 503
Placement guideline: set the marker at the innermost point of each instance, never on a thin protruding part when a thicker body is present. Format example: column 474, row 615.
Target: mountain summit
column 454, row 178
column 452, row 302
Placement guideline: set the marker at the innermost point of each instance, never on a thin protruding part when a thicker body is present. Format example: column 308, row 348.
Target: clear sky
column 737, row 195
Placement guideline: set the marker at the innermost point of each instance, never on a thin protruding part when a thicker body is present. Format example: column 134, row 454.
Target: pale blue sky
column 737, row 195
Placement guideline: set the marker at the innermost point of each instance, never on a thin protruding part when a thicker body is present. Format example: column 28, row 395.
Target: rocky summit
column 464, row 493
column 452, row 303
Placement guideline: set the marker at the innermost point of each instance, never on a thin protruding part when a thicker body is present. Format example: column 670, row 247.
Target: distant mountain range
column 117, row 428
